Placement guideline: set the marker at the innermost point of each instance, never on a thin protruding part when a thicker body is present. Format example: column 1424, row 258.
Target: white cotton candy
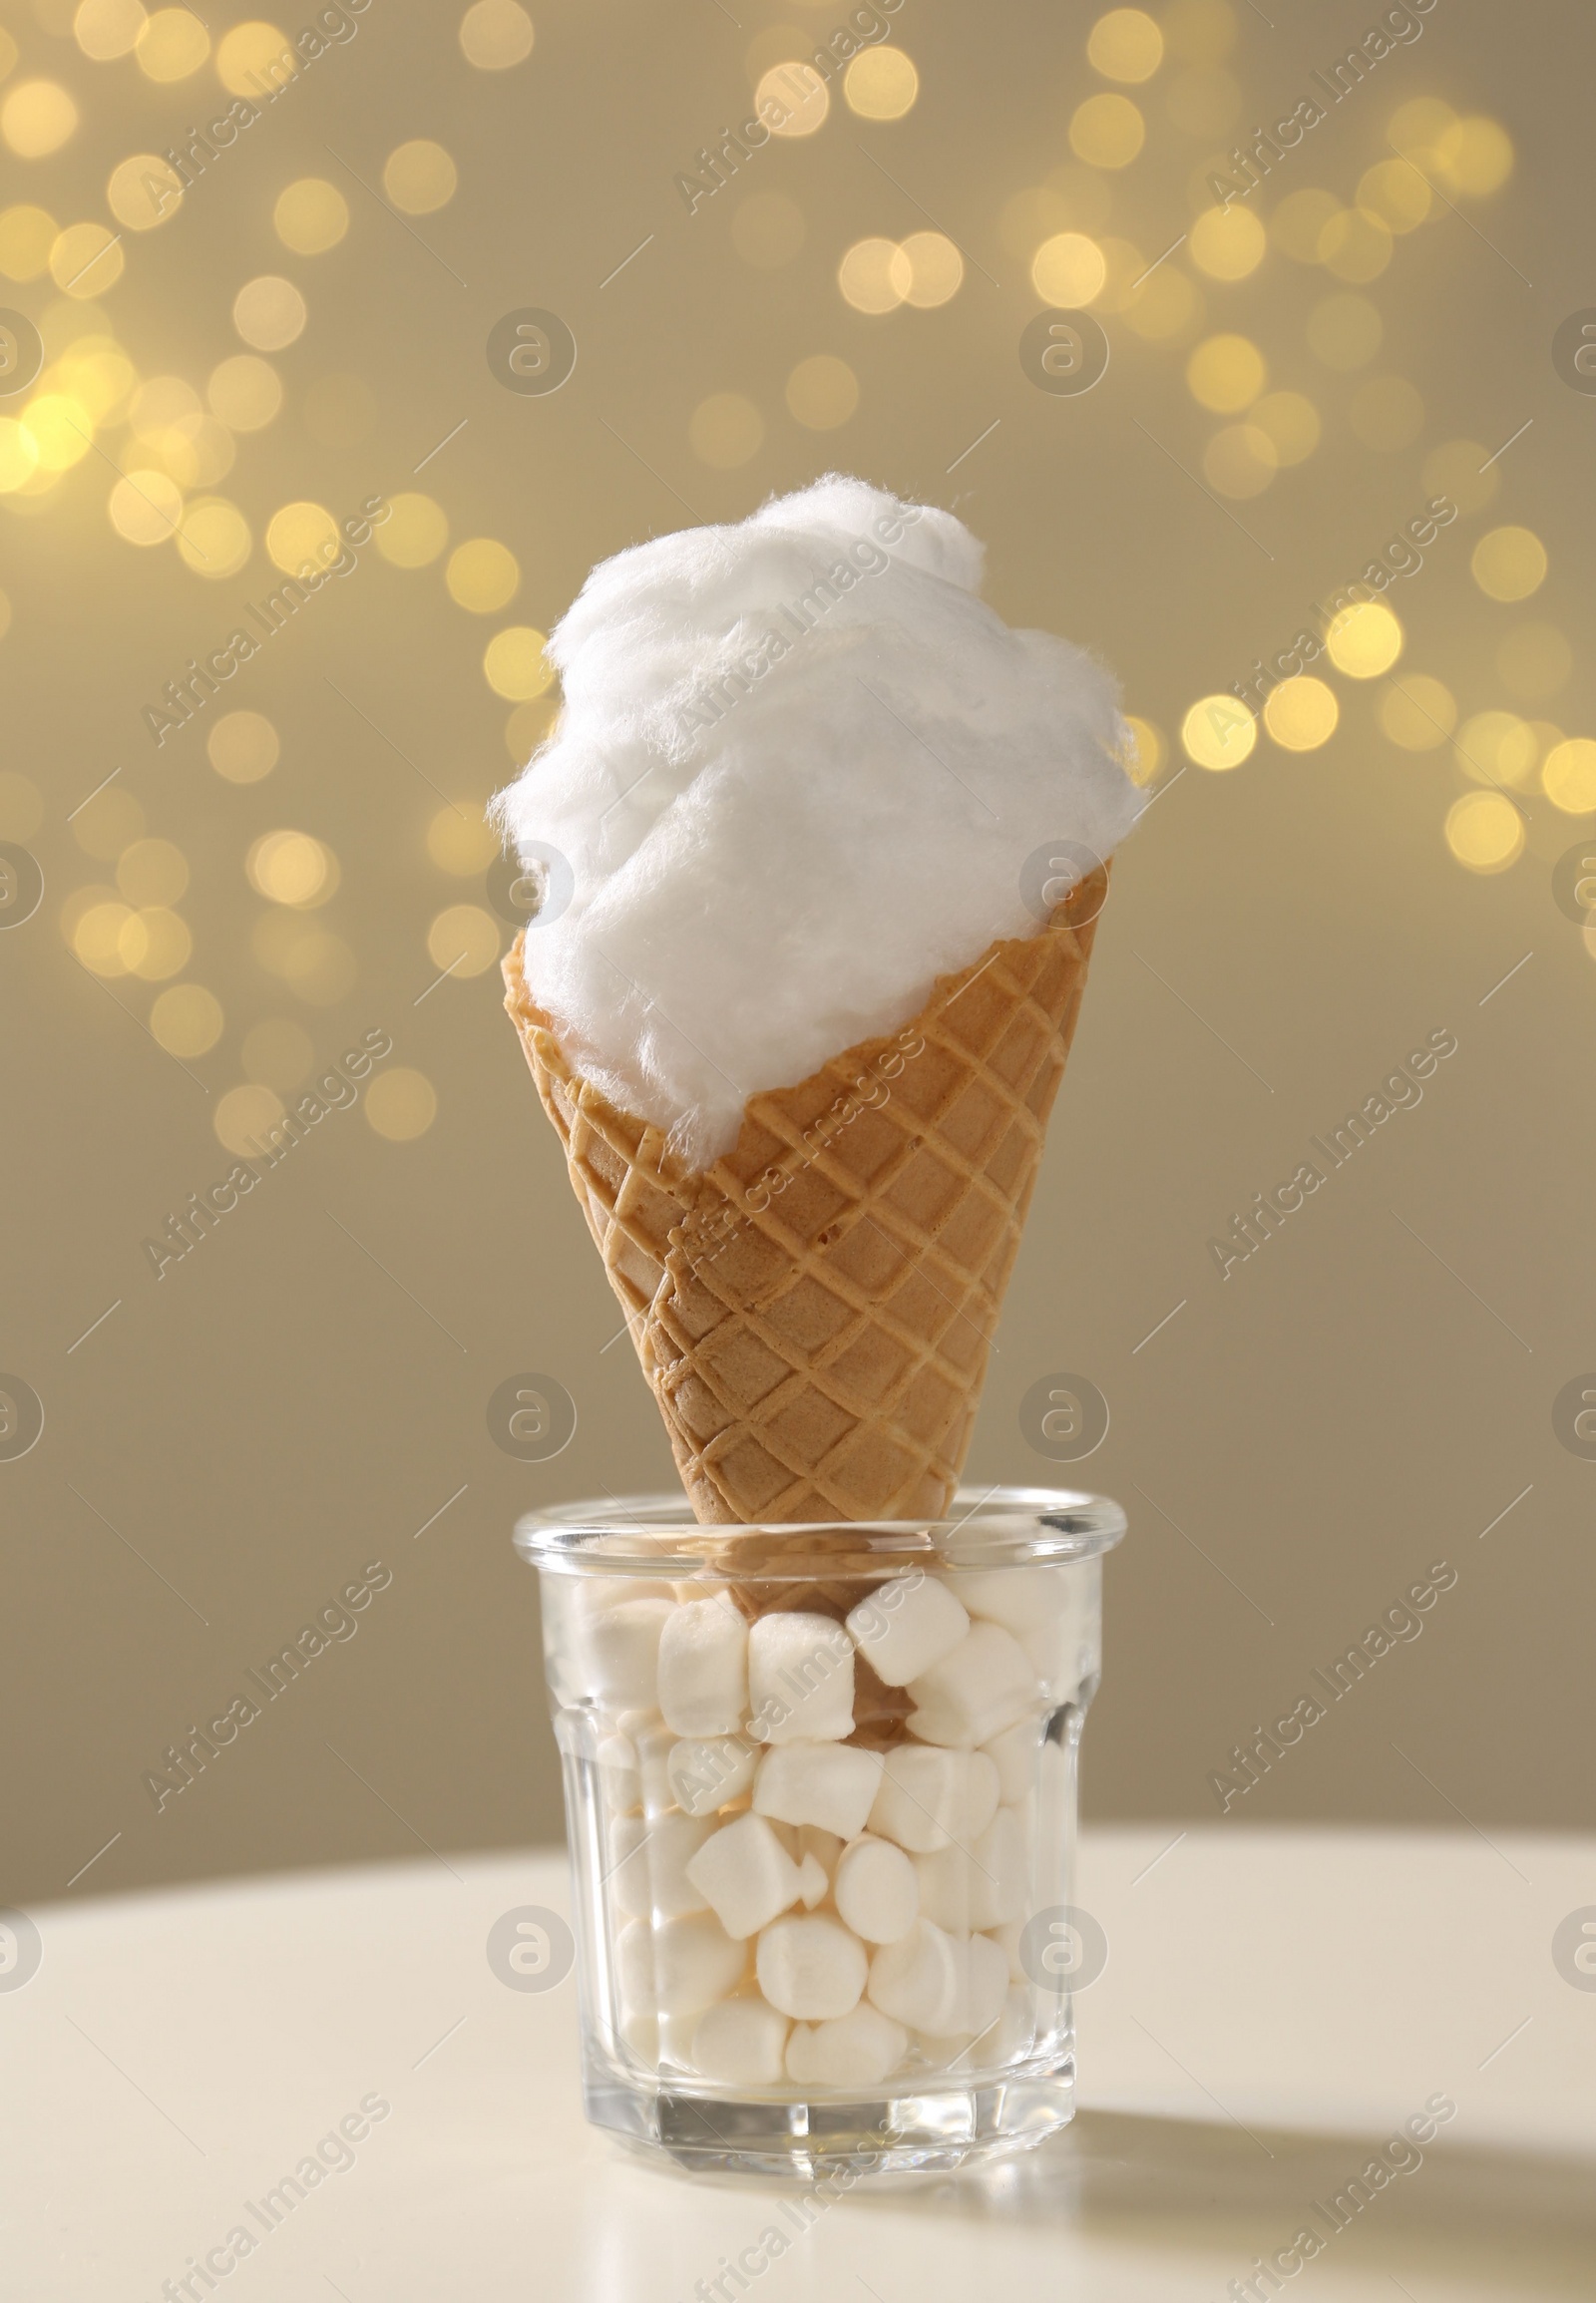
column 878, row 1893
column 811, row 1967
column 983, row 1685
column 906, row 1626
column 857, row 2050
column 927, row 1797
column 706, row 1774
column 745, row 1875
column 832, row 1784
column 678, row 1968
column 801, row 760
column 800, row 1679
column 743, row 2040
column 703, row 1668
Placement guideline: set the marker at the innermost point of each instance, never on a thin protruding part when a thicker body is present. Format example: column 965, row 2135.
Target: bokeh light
column 316, row 966
column 1218, row 732
column 822, row 392
column 292, row 867
column 1497, row 747
column 1418, row 712
column 187, row 1019
column 311, row 216
column 495, row 34
column 1508, row 563
column 1300, row 714
column 792, row 100
column 242, row 747
column 21, row 806
column 245, row 1117
column 1474, row 156
column 255, row 59
column 1164, row 306
column 269, row 312
column 1365, row 640
column 19, row 456
column 419, row 177
column 1290, row 422
column 874, row 276
column 1068, row 270
column 1354, row 246
column 173, row 45
column 400, row 1105
column 725, row 430
column 1462, row 471
column 936, row 269
column 1125, row 45
column 143, row 192
column 36, row 117
column 1397, row 192
column 106, row 29
column 1227, row 243
column 464, row 940
column 1107, row 131
column 154, row 944
column 881, row 84
column 146, row 507
column 87, row 260
column 302, row 533
column 26, row 234
column 1485, row 830
column 415, row 532
column 1147, row 753
column 1226, row 373
column 214, row 539
column 109, row 822
column 1297, row 226
column 1568, row 776
column 482, row 576
column 1240, row 461
column 461, row 843
column 244, row 392
column 61, row 428
column 515, row 663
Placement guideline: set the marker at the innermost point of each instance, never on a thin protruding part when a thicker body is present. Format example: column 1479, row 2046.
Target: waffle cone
column 814, row 1312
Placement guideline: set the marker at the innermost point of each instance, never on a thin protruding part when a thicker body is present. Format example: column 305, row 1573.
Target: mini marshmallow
column 678, row 1968
column 981, row 1886
column 618, row 1656
column 811, row 1968
column 745, row 1875
column 800, row 1679
column 620, row 1782
column 703, row 1667
column 907, row 1625
column 917, row 1981
column 855, row 2050
column 877, row 1894
column 656, row 2040
column 813, row 1884
column 1007, row 1939
column 981, row 1687
column 743, row 2040
column 1055, row 1613
column 824, row 1846
column 653, row 1745
column 1014, row 1755
column 650, row 1862
column 984, row 1987
column 927, row 1797
column 831, row 1785
column 1016, row 2032
column 705, row 1775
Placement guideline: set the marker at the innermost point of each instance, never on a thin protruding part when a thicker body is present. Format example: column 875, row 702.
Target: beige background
column 1301, row 1442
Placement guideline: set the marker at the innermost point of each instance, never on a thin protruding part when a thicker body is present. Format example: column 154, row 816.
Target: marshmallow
column 831, row 1785
column 877, row 1894
column 981, row 1886
column 1016, row 2032
column 745, row 1875
column 811, row 1968
column 800, row 1679
column 939, row 1983
column 653, row 1743
column 825, row 1846
column 678, row 1968
column 619, row 1783
column 648, row 1865
column 1055, row 1613
column 813, row 1884
column 1014, row 1755
column 927, row 1797
column 1007, row 1939
column 656, row 2040
column 703, row 1667
column 618, row 1653
column 855, row 2049
column 907, row 1625
column 981, row 1687
column 743, row 2040
column 984, row 1987
column 705, row 1775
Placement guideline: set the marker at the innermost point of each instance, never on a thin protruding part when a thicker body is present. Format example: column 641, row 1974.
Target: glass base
column 940, row 2126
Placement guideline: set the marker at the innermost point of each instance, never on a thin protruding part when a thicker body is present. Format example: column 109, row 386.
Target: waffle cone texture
column 814, row 1312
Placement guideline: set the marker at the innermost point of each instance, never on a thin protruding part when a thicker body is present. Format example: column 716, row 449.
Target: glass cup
column 820, row 1789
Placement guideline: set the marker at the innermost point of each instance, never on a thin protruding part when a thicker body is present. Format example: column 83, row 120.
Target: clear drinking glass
column 820, row 1789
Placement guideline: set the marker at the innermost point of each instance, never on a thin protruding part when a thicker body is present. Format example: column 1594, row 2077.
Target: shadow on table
column 1486, row 2217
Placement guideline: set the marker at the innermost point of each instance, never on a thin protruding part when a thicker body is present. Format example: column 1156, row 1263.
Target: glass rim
column 658, row 1535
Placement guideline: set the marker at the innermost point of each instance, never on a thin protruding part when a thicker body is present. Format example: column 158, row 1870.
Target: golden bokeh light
column 792, row 100
column 159, row 403
column 1068, row 270
column 311, row 216
column 1300, row 714
column 527, row 725
column 725, row 430
column 1345, row 332
column 515, row 663
column 1397, row 192
column 318, row 967
column 146, row 507
column 936, row 269
column 1365, row 640
column 1508, row 563
column 1418, row 712
column 1290, row 422
column 173, row 45
column 86, row 260
column 881, row 84
column 106, row 824
column 106, row 29
column 1297, row 226
column 154, row 944
column 245, row 1117
column 874, row 276
column 61, row 428
column 461, row 843
column 400, row 1105
column 1125, row 45
column 1107, row 131
column 300, row 535
column 143, row 192
column 277, row 1053
column 495, row 34
column 21, row 806
column 1416, row 128
column 1535, row 661
column 244, row 392
column 1227, row 243
column 767, row 230
column 1355, row 246
column 1385, row 413
column 214, row 539
column 36, row 117
column 482, row 576
column 187, row 1019
column 96, row 372
column 822, row 392
column 26, row 234
column 1485, row 830
column 19, row 456
column 292, row 867
column 1474, row 156
column 242, row 747
column 1218, row 732
column 464, row 940
column 269, row 312
column 1148, row 750
column 420, row 176
column 415, row 532
column 1226, row 373
column 1497, row 747
column 255, row 58
column 96, row 936
column 1463, row 471
column 1164, row 305
column 1568, row 776
column 1240, row 461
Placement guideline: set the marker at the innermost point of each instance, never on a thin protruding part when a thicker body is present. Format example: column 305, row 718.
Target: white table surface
column 1276, row 2002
